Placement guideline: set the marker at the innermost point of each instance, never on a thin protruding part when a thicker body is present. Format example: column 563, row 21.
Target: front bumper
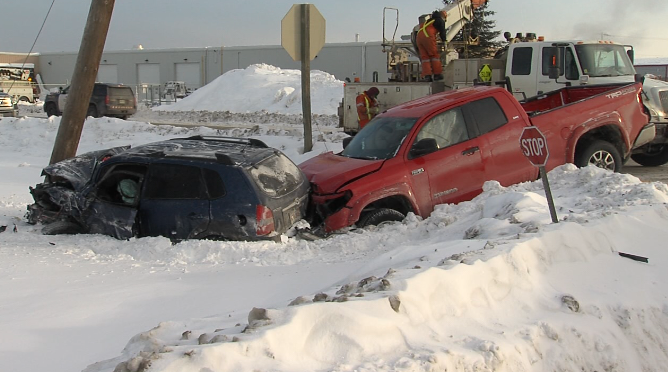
column 331, row 211
column 9, row 113
column 646, row 135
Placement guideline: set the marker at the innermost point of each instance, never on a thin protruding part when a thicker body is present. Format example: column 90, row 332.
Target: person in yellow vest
column 367, row 106
column 432, row 69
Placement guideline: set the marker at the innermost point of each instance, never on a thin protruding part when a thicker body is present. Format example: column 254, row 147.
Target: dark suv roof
column 226, row 150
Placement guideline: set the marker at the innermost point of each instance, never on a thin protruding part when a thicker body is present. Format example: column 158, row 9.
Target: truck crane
column 403, row 63
column 523, row 67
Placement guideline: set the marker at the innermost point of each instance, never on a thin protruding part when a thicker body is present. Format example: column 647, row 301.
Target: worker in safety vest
column 367, row 106
column 427, row 46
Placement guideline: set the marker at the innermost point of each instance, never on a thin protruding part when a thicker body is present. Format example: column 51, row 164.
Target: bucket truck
column 404, row 66
column 523, row 67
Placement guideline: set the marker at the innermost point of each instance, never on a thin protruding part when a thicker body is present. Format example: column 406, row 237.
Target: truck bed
column 564, row 96
column 610, row 112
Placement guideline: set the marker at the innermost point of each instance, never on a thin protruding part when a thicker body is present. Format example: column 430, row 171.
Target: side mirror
column 423, row 147
column 346, row 141
column 556, row 63
column 631, row 54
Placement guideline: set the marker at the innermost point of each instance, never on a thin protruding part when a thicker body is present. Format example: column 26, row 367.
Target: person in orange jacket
column 427, row 46
column 367, row 106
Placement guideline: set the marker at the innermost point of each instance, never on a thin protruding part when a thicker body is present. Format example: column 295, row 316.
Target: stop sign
column 292, row 31
column 534, row 146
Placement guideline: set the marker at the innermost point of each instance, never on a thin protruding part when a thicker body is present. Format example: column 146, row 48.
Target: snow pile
column 521, row 294
column 263, row 87
column 485, row 285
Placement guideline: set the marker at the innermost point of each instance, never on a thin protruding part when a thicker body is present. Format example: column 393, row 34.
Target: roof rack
column 242, row 141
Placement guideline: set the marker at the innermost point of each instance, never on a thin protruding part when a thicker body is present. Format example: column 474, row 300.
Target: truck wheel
column 62, row 227
column 92, row 111
column 658, row 156
column 51, row 110
column 601, row 154
column 378, row 216
column 24, row 99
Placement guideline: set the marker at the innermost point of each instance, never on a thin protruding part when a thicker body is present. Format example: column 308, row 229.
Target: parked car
column 442, row 148
column 185, row 188
column 7, row 106
column 115, row 100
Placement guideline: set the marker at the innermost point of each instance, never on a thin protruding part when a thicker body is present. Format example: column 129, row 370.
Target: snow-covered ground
column 486, row 285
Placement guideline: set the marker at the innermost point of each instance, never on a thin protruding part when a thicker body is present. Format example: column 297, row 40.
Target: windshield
column 600, row 60
column 380, row 139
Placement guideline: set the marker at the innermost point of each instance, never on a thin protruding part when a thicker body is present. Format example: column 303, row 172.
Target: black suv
column 185, row 188
column 115, row 100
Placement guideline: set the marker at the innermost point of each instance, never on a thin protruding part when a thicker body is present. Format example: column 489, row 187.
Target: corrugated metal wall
column 344, row 61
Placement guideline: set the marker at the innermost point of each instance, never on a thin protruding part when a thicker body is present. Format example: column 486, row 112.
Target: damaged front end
column 62, row 195
column 329, row 212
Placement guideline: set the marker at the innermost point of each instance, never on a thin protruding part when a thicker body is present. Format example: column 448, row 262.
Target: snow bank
column 263, row 87
column 521, row 294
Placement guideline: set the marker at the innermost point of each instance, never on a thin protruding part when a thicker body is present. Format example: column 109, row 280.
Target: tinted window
column 522, row 61
column 488, row 114
column 171, row 181
column 277, row 175
column 447, row 128
column 214, row 184
column 121, row 92
column 99, row 90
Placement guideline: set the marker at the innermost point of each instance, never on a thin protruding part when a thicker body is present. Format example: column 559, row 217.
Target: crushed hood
column 329, row 172
column 79, row 169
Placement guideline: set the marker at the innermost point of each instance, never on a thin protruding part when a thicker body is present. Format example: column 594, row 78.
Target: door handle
column 471, row 151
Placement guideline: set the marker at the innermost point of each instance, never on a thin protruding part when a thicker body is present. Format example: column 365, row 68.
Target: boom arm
column 459, row 13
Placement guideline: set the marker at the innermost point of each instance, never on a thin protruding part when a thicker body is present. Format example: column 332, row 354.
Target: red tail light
column 106, row 99
column 264, row 220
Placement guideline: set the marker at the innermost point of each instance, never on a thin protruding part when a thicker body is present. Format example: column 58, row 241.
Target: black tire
column 378, row 216
column 92, row 111
column 652, row 158
column 62, row 227
column 24, row 99
column 601, row 154
column 51, row 110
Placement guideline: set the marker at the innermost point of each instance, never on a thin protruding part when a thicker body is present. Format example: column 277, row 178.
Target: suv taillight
column 106, row 99
column 264, row 220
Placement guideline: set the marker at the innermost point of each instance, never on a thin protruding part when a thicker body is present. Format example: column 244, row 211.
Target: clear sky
column 157, row 24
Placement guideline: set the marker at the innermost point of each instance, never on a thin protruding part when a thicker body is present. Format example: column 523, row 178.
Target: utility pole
column 83, row 80
column 306, row 76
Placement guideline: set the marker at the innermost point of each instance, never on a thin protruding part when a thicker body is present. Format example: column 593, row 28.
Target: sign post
column 302, row 36
column 534, row 147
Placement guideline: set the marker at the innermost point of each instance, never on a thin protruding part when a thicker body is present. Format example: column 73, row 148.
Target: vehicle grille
column 663, row 97
column 5, row 102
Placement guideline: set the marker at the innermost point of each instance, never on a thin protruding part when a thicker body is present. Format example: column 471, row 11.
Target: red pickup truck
column 442, row 148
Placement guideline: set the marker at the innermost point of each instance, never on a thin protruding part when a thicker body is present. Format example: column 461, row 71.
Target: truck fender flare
column 401, row 189
column 611, row 120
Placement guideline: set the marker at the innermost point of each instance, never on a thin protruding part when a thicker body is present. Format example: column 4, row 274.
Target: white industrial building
column 147, row 69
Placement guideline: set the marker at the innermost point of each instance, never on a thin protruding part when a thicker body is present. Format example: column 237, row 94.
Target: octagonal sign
column 534, row 146
column 292, row 31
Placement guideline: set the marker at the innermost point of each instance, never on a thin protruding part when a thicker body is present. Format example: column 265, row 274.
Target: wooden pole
column 306, row 76
column 83, row 80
